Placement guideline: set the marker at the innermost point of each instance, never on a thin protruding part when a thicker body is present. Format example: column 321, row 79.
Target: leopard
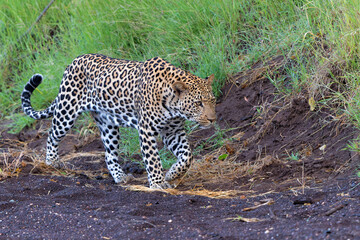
column 153, row 96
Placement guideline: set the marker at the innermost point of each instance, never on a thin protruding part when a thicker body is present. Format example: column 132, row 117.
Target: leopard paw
column 172, row 175
column 161, row 185
column 124, row 178
column 56, row 164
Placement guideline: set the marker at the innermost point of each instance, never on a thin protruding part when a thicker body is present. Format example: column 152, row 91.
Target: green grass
column 196, row 37
column 320, row 39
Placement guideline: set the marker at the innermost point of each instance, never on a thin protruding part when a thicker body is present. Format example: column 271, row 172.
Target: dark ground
column 314, row 197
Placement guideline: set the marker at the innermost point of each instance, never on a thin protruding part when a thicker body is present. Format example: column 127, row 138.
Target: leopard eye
column 200, row 104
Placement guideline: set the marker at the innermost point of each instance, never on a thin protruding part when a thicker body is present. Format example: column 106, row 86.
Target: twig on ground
column 242, row 219
column 267, row 202
column 337, row 208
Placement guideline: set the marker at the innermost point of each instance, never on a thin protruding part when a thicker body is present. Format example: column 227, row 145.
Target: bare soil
column 304, row 185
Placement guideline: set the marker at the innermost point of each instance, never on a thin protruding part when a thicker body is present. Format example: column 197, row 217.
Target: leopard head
column 195, row 99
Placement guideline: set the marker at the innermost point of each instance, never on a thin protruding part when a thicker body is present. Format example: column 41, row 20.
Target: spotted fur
column 154, row 97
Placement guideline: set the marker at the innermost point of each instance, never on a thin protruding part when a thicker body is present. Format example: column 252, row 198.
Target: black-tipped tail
column 30, row 86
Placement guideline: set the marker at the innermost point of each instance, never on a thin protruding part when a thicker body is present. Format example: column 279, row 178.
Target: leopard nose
column 212, row 118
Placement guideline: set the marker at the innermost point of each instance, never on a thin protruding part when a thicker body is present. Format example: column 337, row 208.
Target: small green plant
column 223, row 157
column 293, row 156
column 217, row 140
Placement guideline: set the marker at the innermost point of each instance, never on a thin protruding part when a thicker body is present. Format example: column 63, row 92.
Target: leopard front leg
column 175, row 139
column 151, row 159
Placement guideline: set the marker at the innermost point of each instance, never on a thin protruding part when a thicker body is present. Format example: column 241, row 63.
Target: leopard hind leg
column 64, row 118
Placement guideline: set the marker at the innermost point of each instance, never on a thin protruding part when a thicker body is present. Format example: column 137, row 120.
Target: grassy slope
column 204, row 37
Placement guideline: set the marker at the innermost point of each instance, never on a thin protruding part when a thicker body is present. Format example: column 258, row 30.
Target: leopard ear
column 179, row 87
column 210, row 79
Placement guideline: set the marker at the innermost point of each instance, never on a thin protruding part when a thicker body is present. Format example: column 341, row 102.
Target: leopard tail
column 29, row 87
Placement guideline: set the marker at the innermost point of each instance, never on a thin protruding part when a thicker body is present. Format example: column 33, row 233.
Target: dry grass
column 209, row 169
column 94, row 154
column 212, row 168
column 197, row 192
column 16, row 156
column 10, row 168
column 12, row 157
